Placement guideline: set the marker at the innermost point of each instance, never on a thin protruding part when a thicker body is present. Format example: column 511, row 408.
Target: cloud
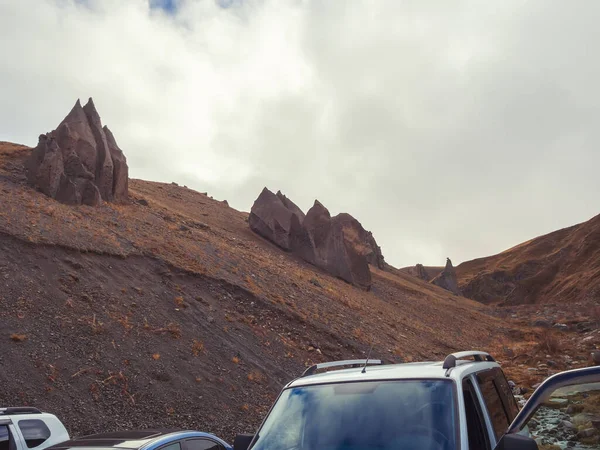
column 448, row 129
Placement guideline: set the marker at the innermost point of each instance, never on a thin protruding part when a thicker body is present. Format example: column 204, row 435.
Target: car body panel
column 58, row 432
column 182, row 435
column 136, row 440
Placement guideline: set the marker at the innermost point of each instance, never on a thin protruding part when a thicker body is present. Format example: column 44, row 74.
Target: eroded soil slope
column 169, row 311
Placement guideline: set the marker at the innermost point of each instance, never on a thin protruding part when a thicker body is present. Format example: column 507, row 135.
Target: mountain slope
column 169, row 311
column 560, row 267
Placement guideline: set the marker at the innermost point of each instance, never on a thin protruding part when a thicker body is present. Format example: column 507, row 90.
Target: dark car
column 146, row 440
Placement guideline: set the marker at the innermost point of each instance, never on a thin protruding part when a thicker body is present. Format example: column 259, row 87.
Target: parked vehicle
column 25, row 428
column 146, row 440
column 446, row 405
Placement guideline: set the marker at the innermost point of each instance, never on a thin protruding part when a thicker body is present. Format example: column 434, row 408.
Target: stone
column 339, row 245
column 120, row 168
column 567, row 424
column 587, row 433
column 338, row 248
column 447, row 279
column 291, row 206
column 270, row 218
column 421, row 272
column 45, row 167
column 595, row 357
column 79, row 162
column 301, row 242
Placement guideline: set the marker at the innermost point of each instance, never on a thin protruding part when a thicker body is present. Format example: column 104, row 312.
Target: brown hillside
column 560, row 267
column 170, row 311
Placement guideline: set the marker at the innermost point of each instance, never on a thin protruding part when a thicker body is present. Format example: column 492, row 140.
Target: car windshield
column 377, row 415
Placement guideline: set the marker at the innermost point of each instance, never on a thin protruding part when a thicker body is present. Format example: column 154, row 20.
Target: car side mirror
column 516, row 442
column 242, row 441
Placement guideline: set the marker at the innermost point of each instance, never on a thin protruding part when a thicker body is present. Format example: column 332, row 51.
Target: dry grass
column 18, row 337
column 197, row 347
column 549, row 343
column 255, row 376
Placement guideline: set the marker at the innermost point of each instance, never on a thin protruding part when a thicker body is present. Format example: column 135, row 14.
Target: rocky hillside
column 560, row 267
column 168, row 310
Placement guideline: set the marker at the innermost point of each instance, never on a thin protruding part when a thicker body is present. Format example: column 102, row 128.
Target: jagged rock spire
column 80, row 162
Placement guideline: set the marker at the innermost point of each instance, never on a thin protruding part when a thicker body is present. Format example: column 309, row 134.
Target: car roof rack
column 478, row 356
column 19, row 410
column 351, row 362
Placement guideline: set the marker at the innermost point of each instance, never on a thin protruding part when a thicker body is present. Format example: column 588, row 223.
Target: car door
column 7, row 440
column 563, row 412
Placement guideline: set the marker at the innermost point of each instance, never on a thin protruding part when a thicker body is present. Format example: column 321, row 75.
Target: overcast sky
column 448, row 128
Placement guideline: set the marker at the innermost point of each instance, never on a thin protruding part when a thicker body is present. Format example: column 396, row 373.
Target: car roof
column 421, row 370
column 134, row 439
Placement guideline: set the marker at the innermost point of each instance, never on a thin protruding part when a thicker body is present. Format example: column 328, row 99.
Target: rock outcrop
column 79, row 162
column 337, row 248
column 447, row 278
column 421, row 272
column 339, row 245
column 272, row 219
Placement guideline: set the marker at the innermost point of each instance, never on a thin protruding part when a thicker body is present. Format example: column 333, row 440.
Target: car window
column 493, row 402
column 201, row 444
column 506, row 395
column 476, row 429
column 34, row 431
column 6, row 440
column 172, row 446
column 369, row 415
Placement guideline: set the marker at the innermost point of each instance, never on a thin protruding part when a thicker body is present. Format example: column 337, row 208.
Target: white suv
column 447, row 405
column 25, row 428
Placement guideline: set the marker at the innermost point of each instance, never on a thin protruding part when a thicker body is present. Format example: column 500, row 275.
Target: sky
column 449, row 129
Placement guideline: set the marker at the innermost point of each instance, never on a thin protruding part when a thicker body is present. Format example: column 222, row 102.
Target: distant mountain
column 560, row 267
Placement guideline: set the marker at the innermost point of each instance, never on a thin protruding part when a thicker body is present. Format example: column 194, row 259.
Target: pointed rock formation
column 339, row 245
column 271, row 218
column 336, row 245
column 318, row 226
column 80, row 162
column 421, row 272
column 291, row 206
column 447, row 279
column 301, row 242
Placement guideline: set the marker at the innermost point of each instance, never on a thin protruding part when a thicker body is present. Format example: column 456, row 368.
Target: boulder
column 362, row 240
column 301, row 242
column 339, row 245
column 421, row 272
column 338, row 248
column 80, row 162
column 447, row 279
column 318, row 225
column 595, row 357
column 271, row 218
column 45, row 167
column 120, row 169
column 291, row 206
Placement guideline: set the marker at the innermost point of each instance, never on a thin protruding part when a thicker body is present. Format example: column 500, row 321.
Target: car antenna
column 364, row 369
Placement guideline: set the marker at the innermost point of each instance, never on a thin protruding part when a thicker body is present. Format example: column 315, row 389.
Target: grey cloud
column 447, row 128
